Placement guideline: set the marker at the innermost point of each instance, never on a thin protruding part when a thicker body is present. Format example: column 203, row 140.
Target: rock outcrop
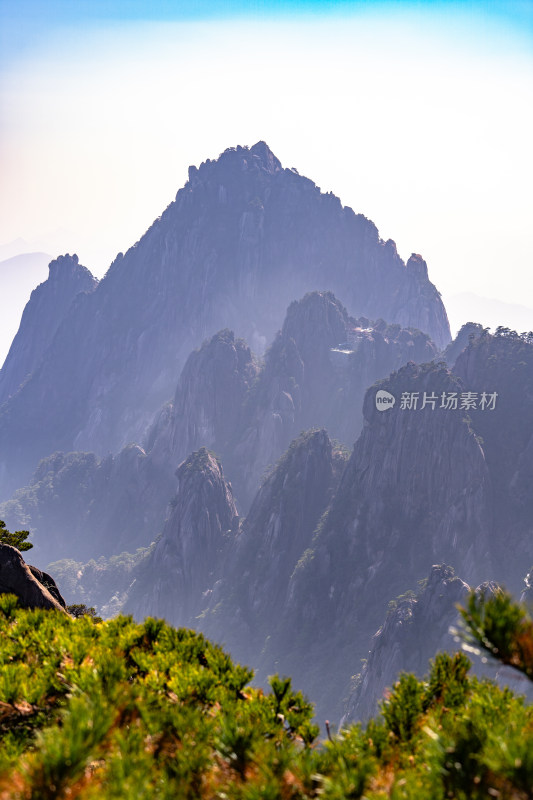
column 315, row 375
column 175, row 580
column 469, row 331
column 208, row 402
column 243, row 238
column 501, row 365
column 250, row 593
column 45, row 310
column 34, row 589
column 80, row 507
column 415, row 491
column 416, row 627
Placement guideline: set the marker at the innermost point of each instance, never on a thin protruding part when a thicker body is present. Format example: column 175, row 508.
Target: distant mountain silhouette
column 489, row 311
column 19, row 274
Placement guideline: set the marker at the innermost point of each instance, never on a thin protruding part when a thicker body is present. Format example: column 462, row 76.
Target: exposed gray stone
column 17, row 578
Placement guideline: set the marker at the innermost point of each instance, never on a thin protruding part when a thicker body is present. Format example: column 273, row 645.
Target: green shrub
column 17, row 539
column 124, row 710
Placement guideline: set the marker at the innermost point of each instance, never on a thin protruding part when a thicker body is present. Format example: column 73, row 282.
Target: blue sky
column 25, row 23
column 418, row 115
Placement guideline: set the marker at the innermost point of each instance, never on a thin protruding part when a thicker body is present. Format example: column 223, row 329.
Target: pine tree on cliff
column 16, row 539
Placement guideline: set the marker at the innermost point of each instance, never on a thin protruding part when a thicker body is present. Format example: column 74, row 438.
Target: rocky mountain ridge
column 305, row 595
column 243, row 238
column 417, row 626
column 47, row 306
column 301, row 584
column 246, row 410
column 187, row 557
column 284, row 545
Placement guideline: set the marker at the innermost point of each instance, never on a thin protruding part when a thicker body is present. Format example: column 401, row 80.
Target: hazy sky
column 419, row 115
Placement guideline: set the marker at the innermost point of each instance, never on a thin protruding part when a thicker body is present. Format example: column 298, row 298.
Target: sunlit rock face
column 33, row 588
column 243, row 238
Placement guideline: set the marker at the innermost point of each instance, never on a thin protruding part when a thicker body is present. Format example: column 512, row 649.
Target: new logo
column 384, row 400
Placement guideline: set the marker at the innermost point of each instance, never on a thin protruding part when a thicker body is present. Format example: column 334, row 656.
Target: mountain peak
column 267, row 158
column 259, row 157
column 68, row 267
column 46, row 308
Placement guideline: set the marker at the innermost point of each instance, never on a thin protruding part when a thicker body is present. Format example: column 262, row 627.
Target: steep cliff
column 469, row 331
column 501, row 365
column 315, row 374
column 440, row 475
column 416, row 627
column 207, row 406
column 301, row 585
column 42, row 316
column 416, row 491
column 250, row 594
column 242, row 239
column 178, row 575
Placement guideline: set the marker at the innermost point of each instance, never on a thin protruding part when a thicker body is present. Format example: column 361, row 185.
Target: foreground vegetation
column 123, row 710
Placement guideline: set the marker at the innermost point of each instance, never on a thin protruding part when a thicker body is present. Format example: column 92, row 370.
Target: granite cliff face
column 207, row 406
column 242, row 239
column 416, row 627
column 302, row 583
column 469, row 331
column 250, row 592
column 34, row 589
column 177, row 577
column 81, row 507
column 503, row 365
column 47, row 306
column 225, row 400
column 315, row 374
column 423, row 485
column 415, row 491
